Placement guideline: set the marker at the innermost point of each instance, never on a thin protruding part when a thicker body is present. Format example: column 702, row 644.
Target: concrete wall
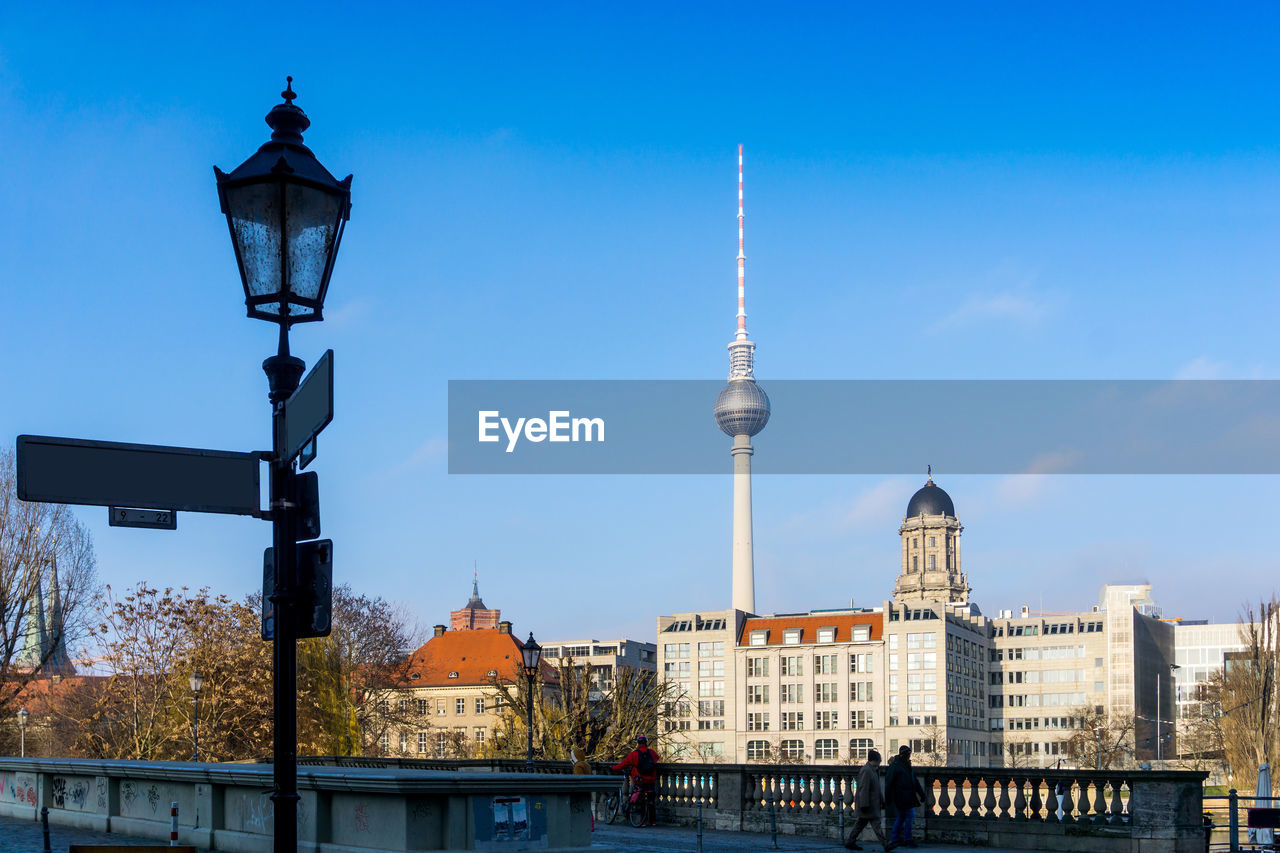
column 342, row 810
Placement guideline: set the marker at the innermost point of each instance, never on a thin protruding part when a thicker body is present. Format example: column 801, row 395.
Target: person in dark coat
column 902, row 789
column 869, row 799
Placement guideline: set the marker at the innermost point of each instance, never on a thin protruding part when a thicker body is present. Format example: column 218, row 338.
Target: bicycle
column 634, row 806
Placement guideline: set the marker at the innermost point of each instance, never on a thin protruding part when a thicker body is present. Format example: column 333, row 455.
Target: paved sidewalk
column 27, row 836
column 668, row 839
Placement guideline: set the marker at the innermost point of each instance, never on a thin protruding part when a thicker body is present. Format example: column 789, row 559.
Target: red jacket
column 632, row 761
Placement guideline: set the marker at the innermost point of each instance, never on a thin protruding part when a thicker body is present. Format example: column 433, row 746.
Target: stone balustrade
column 1102, row 812
column 348, row 809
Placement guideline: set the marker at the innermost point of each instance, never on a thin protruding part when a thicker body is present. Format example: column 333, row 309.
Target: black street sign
column 138, row 476
column 153, row 519
column 307, row 517
column 310, row 409
column 314, row 607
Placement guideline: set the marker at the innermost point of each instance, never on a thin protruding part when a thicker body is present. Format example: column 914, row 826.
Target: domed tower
column 930, row 535
column 742, row 410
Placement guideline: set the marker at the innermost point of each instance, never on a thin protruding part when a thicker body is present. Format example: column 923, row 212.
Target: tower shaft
column 744, row 569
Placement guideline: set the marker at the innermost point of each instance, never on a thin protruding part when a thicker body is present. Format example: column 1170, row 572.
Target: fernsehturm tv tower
column 742, row 410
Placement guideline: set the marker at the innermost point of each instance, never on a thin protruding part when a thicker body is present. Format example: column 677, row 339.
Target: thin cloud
column 1014, row 306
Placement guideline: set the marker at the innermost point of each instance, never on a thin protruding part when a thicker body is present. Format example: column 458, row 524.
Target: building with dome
column 930, row 534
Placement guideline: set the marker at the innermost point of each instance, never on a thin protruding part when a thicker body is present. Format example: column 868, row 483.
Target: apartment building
column 605, row 658
column 695, row 654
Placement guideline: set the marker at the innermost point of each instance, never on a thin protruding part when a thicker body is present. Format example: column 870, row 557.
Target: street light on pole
column 196, row 681
column 286, row 215
column 532, row 653
column 23, row 713
column 1160, row 713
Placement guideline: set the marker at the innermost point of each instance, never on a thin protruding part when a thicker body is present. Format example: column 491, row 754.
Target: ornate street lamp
column 23, row 713
column 197, row 684
column 286, row 214
column 532, row 653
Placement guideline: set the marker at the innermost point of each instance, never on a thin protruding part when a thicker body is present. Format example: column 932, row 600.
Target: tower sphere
column 930, row 500
column 742, row 408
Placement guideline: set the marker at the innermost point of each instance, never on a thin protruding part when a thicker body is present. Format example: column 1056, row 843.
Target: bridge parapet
column 349, row 809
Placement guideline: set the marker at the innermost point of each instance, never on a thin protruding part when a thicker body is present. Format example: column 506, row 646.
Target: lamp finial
column 288, row 94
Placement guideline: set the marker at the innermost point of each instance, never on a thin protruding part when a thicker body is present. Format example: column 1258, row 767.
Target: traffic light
column 307, row 517
column 314, row 590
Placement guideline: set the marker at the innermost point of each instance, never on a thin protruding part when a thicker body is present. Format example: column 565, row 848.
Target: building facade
column 604, row 658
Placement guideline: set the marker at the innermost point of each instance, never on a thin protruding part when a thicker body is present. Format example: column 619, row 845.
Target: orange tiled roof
column 472, row 654
column 842, row 622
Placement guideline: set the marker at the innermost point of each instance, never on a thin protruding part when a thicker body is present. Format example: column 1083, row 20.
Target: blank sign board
column 144, row 476
column 310, row 409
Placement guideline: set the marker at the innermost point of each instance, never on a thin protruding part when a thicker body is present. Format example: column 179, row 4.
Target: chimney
column 440, row 629
column 504, row 627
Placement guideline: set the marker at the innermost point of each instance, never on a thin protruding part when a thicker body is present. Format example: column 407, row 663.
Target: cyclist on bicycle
column 643, row 764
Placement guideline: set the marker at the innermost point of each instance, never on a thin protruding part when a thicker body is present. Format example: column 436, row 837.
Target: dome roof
column 930, row 500
column 742, row 408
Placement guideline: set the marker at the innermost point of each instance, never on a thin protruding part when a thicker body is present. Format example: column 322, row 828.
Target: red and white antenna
column 742, row 262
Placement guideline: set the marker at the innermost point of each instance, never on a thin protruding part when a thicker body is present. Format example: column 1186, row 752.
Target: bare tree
column 39, row 541
column 1100, row 740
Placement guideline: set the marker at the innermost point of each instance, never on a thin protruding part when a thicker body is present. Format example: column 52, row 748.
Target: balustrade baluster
column 986, row 806
column 1100, row 801
column 944, row 799
column 1116, row 815
column 1068, row 804
column 1051, row 800
column 1002, row 808
column 1036, row 803
column 1019, row 800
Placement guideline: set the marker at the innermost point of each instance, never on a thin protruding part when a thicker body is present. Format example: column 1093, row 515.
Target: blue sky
column 993, row 191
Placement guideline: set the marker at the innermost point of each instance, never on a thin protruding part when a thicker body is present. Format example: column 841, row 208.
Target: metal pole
column 44, row 820
column 1159, row 724
column 195, row 727
column 773, row 818
column 528, row 761
column 1099, row 749
column 699, row 825
column 22, row 740
column 283, row 373
column 1235, row 821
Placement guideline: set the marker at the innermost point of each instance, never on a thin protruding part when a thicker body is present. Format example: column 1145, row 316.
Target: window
column 384, row 706
column 792, row 750
column 385, row 743
column 442, row 743
column 791, row 693
column 675, row 650
column 825, row 691
column 404, row 741
column 710, row 688
column 859, row 747
column 423, row 707
column 825, row 665
column 861, row 633
column 860, row 691
column 479, row 706
column 893, row 642
column 826, row 748
column 711, row 650
column 422, row 743
column 860, row 720
column 710, row 725
column 826, row 720
column 479, row 735
column 757, row 694
column 403, row 706
column 826, row 635
column 758, row 722
column 915, row 563
column 711, row 749
column 757, row 667
column 933, row 562
column 676, row 669
column 792, row 721
column 711, row 708
column 893, row 660
column 759, row 638
column 793, row 665
column 791, row 636
column 757, row 750
column 439, row 707
column 460, row 705
column 711, row 669
column 860, row 663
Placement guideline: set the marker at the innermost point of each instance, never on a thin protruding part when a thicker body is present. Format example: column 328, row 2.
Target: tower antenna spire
column 742, row 262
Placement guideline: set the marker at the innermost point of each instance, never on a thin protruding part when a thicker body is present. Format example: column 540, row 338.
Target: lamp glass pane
column 255, row 222
column 311, row 225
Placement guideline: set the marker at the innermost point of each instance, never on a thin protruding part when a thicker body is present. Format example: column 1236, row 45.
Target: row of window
column 1055, row 628
column 823, row 692
column 1022, row 724
column 713, row 649
column 793, row 750
column 1045, row 676
column 1033, row 653
column 424, row 740
column 794, row 636
column 423, row 706
column 1033, row 700
column 915, row 660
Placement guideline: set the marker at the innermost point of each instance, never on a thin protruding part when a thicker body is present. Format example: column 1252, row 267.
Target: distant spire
column 59, row 662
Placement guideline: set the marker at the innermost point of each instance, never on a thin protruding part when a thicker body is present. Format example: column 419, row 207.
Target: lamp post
column 23, row 713
column 532, row 653
column 286, row 214
column 197, row 684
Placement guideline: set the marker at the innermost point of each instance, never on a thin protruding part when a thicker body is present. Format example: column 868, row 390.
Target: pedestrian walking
column 869, row 799
column 904, row 791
